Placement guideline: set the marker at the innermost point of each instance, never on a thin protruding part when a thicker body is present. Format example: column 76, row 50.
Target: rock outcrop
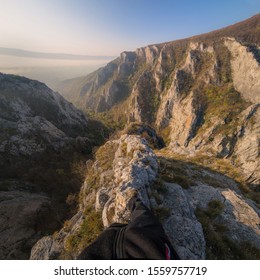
column 133, row 168
column 200, row 94
column 245, row 70
column 195, row 92
column 38, row 128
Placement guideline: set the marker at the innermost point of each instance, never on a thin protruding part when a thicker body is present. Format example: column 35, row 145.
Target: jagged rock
column 242, row 219
column 36, row 125
column 148, row 53
column 238, row 216
column 45, row 249
column 247, row 146
column 137, row 172
column 180, row 87
column 135, row 169
column 34, row 118
column 168, row 84
column 245, row 70
column 182, row 226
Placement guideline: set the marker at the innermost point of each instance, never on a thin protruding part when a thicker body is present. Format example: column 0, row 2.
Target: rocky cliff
column 204, row 215
column 41, row 137
column 200, row 176
column 201, row 94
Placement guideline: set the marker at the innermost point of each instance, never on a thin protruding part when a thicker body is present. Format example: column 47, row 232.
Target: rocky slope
column 41, row 134
column 209, row 217
column 201, row 94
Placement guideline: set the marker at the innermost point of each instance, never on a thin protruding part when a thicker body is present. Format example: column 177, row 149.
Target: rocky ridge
column 182, row 210
column 201, row 94
column 40, row 134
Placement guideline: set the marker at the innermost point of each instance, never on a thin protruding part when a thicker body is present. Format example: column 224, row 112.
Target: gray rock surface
column 245, row 70
column 247, row 149
column 182, row 226
column 134, row 169
column 168, row 85
column 21, row 213
column 34, row 122
column 238, row 216
column 202, row 94
column 33, row 118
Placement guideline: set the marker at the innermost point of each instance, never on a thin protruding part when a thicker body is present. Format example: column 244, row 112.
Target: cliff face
column 201, row 94
column 41, row 135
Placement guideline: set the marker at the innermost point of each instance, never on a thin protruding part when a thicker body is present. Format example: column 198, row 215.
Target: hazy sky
column 108, row 27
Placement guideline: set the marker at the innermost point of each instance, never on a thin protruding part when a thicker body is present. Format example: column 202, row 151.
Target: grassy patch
column 177, row 164
column 218, row 245
column 89, row 230
column 105, row 155
column 174, row 171
column 224, row 103
column 223, row 57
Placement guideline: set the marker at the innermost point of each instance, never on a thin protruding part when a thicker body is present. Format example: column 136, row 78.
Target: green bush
column 89, row 230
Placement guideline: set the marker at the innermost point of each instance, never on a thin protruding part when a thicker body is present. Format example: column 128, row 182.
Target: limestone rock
column 136, row 173
column 243, row 220
column 246, row 70
column 36, row 124
column 180, row 88
column 45, row 249
column 247, row 147
column 182, row 226
column 238, row 216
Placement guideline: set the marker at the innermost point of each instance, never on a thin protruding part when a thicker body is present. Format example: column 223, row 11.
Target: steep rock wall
column 245, row 70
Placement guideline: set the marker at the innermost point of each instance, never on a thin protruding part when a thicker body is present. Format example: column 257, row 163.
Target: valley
column 176, row 122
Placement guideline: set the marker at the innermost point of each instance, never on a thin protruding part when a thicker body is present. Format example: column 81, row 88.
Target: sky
column 108, row 27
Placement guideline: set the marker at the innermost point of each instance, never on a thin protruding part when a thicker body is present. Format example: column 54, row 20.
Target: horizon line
column 45, row 55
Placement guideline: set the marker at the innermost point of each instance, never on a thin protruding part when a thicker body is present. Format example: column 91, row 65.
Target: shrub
column 105, row 155
column 218, row 245
column 89, row 230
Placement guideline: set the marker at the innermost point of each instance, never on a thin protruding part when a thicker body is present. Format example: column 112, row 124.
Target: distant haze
column 63, row 56
column 52, row 40
column 50, row 68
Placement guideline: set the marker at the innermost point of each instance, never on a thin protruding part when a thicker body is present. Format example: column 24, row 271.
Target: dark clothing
column 142, row 238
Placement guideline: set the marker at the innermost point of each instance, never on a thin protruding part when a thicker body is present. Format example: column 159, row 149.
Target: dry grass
column 89, row 230
column 177, row 165
column 218, row 245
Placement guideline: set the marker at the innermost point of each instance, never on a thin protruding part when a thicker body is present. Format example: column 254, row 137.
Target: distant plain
column 49, row 71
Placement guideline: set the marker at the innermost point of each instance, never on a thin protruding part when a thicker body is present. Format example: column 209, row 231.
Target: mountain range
column 63, row 56
column 183, row 119
column 199, row 93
